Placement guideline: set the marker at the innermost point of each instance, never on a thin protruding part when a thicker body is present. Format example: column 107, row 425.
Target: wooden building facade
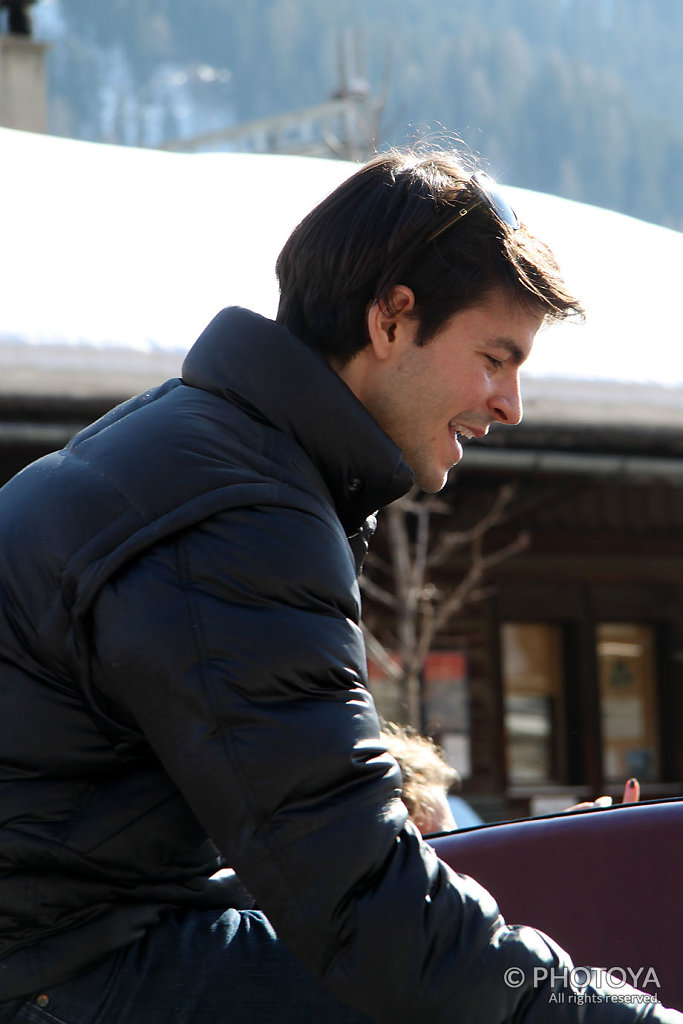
column 567, row 668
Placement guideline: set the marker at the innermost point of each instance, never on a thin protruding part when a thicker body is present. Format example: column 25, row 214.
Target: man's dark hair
column 375, row 232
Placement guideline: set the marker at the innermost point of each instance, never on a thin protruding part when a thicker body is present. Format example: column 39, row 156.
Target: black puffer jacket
column 182, row 672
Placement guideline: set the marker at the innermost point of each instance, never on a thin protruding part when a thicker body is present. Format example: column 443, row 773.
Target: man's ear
column 386, row 322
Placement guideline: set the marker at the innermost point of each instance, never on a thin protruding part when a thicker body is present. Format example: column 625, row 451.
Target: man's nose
column 507, row 404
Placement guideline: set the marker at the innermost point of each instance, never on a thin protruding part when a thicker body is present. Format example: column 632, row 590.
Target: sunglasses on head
column 489, row 192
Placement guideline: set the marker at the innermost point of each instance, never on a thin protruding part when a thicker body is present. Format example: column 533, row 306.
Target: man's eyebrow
column 516, row 353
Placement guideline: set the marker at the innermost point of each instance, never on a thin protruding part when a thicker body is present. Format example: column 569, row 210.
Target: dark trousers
column 198, row 966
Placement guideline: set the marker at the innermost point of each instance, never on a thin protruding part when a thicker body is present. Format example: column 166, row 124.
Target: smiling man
column 465, row 378
column 418, row 283
column 199, row 821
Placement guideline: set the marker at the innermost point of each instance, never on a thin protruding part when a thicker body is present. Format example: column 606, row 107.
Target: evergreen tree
column 576, row 97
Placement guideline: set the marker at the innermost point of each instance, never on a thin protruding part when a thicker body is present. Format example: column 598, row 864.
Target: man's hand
column 631, row 796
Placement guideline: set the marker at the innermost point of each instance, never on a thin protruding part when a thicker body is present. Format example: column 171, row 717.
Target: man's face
column 462, row 380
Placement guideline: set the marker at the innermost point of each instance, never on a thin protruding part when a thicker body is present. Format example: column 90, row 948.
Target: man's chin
column 431, row 483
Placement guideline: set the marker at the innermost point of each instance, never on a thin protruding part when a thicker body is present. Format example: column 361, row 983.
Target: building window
column 446, row 704
column 533, row 688
column 628, row 701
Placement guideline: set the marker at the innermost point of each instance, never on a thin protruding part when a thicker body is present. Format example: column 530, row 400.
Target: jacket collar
column 284, row 382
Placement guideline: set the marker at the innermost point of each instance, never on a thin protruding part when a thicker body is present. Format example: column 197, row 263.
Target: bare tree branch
column 374, row 562
column 377, row 593
column 421, row 610
column 449, row 542
column 400, row 547
column 459, row 597
column 381, row 656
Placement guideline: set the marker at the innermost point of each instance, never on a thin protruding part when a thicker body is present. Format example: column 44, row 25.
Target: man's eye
column 496, row 363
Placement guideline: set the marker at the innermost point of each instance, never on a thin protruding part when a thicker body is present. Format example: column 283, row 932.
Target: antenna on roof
column 18, row 17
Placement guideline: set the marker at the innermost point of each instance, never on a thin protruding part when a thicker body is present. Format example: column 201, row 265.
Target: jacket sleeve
column 236, row 650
